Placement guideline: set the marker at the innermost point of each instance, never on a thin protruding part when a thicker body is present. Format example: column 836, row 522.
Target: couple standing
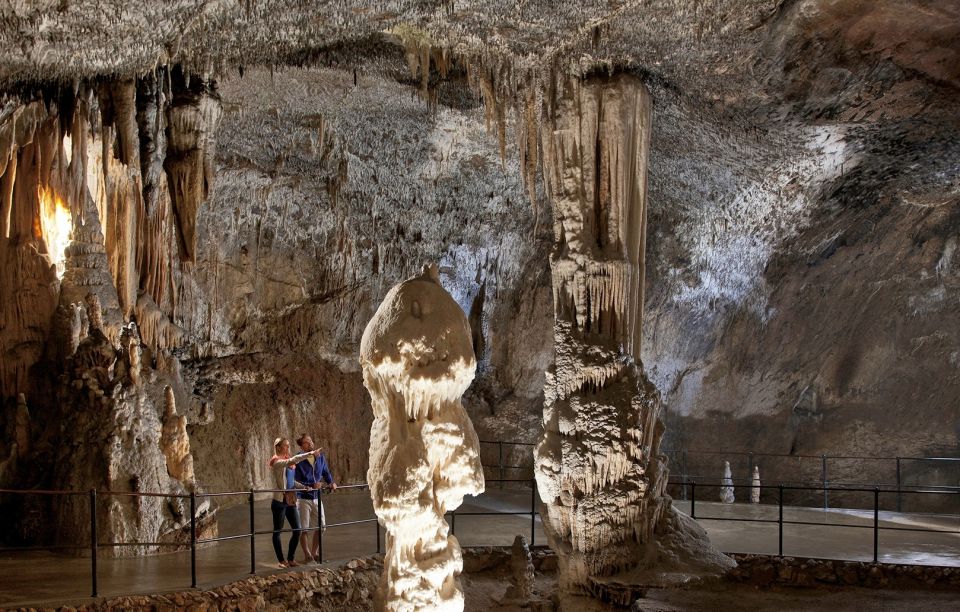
column 300, row 477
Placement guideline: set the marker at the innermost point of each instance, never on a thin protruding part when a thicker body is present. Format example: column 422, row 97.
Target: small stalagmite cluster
column 417, row 360
column 598, row 467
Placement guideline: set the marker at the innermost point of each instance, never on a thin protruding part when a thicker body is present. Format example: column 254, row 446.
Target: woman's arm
column 292, row 460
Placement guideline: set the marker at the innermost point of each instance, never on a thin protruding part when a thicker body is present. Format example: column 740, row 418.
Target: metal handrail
column 793, row 456
column 95, row 544
column 686, row 482
column 780, row 488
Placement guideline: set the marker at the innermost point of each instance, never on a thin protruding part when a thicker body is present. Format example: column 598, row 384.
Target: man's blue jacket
column 308, row 475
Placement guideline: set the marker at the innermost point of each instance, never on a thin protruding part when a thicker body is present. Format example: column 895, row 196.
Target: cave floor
column 484, row 591
column 850, row 539
column 37, row 577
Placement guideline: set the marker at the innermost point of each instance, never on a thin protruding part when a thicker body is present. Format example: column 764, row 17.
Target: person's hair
column 278, row 442
column 300, row 440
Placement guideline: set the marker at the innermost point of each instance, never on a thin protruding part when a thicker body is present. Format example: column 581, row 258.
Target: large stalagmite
column 417, row 360
column 598, row 466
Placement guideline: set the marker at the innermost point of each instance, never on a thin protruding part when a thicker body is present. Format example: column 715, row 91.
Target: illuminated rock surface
column 417, row 361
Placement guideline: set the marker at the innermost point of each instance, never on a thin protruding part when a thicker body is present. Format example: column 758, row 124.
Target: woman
column 285, row 504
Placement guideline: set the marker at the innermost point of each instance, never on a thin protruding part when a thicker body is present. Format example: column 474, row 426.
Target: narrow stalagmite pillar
column 755, row 486
column 726, row 491
column 598, row 467
column 417, row 360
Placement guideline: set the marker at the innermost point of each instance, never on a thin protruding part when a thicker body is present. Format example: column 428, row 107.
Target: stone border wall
column 348, row 587
column 763, row 570
column 351, row 586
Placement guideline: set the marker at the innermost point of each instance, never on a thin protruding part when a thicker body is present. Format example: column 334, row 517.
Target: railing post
column 876, row 522
column 93, row 540
column 453, row 522
column 193, row 539
column 683, row 469
column 693, row 499
column 253, row 538
column 899, row 492
column 320, row 538
column 780, row 521
column 500, row 461
column 533, row 511
column 823, row 479
column 377, row 522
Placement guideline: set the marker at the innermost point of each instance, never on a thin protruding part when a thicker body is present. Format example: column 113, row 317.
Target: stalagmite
column 417, row 361
column 134, row 353
column 174, row 441
column 726, row 491
column 598, row 466
column 521, row 572
column 755, row 486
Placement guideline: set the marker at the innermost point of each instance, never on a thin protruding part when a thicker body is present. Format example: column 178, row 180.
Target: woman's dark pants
column 279, row 509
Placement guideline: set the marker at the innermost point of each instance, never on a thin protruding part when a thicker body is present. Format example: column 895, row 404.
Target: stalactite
column 191, row 124
column 86, row 184
column 156, row 328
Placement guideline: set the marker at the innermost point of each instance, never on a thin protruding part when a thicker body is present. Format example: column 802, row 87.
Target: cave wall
column 802, row 292
column 328, row 193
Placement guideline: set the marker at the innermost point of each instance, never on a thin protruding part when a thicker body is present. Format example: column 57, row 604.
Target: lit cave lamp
column 55, row 226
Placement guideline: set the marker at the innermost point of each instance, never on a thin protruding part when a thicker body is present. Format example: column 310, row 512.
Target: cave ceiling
column 736, row 53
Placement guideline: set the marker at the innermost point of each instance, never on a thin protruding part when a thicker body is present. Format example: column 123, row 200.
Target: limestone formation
column 598, row 466
column 134, row 354
column 755, row 486
column 174, row 441
column 521, row 572
column 726, row 490
column 417, row 361
column 803, row 234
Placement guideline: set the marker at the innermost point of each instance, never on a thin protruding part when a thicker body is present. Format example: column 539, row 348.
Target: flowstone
column 417, row 360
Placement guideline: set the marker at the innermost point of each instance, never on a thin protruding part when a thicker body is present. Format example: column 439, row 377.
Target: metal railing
column 500, row 466
column 679, row 461
column 94, row 544
column 688, row 484
column 892, row 466
column 876, row 491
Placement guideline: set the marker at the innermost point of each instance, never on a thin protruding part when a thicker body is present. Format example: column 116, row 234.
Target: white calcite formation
column 417, row 360
column 726, row 491
column 755, row 486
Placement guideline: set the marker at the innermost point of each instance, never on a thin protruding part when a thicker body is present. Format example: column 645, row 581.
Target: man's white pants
column 311, row 510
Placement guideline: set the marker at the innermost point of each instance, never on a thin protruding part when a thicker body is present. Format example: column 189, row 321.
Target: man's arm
column 326, row 474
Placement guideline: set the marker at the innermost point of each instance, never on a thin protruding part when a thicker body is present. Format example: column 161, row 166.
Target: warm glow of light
column 68, row 147
column 56, row 223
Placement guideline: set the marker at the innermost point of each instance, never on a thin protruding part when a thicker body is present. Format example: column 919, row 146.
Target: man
column 312, row 474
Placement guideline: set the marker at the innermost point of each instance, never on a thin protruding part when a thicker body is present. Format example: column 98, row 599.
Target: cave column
column 597, row 464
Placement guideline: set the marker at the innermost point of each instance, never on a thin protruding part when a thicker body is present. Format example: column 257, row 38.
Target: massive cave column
column 417, row 360
column 598, row 468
